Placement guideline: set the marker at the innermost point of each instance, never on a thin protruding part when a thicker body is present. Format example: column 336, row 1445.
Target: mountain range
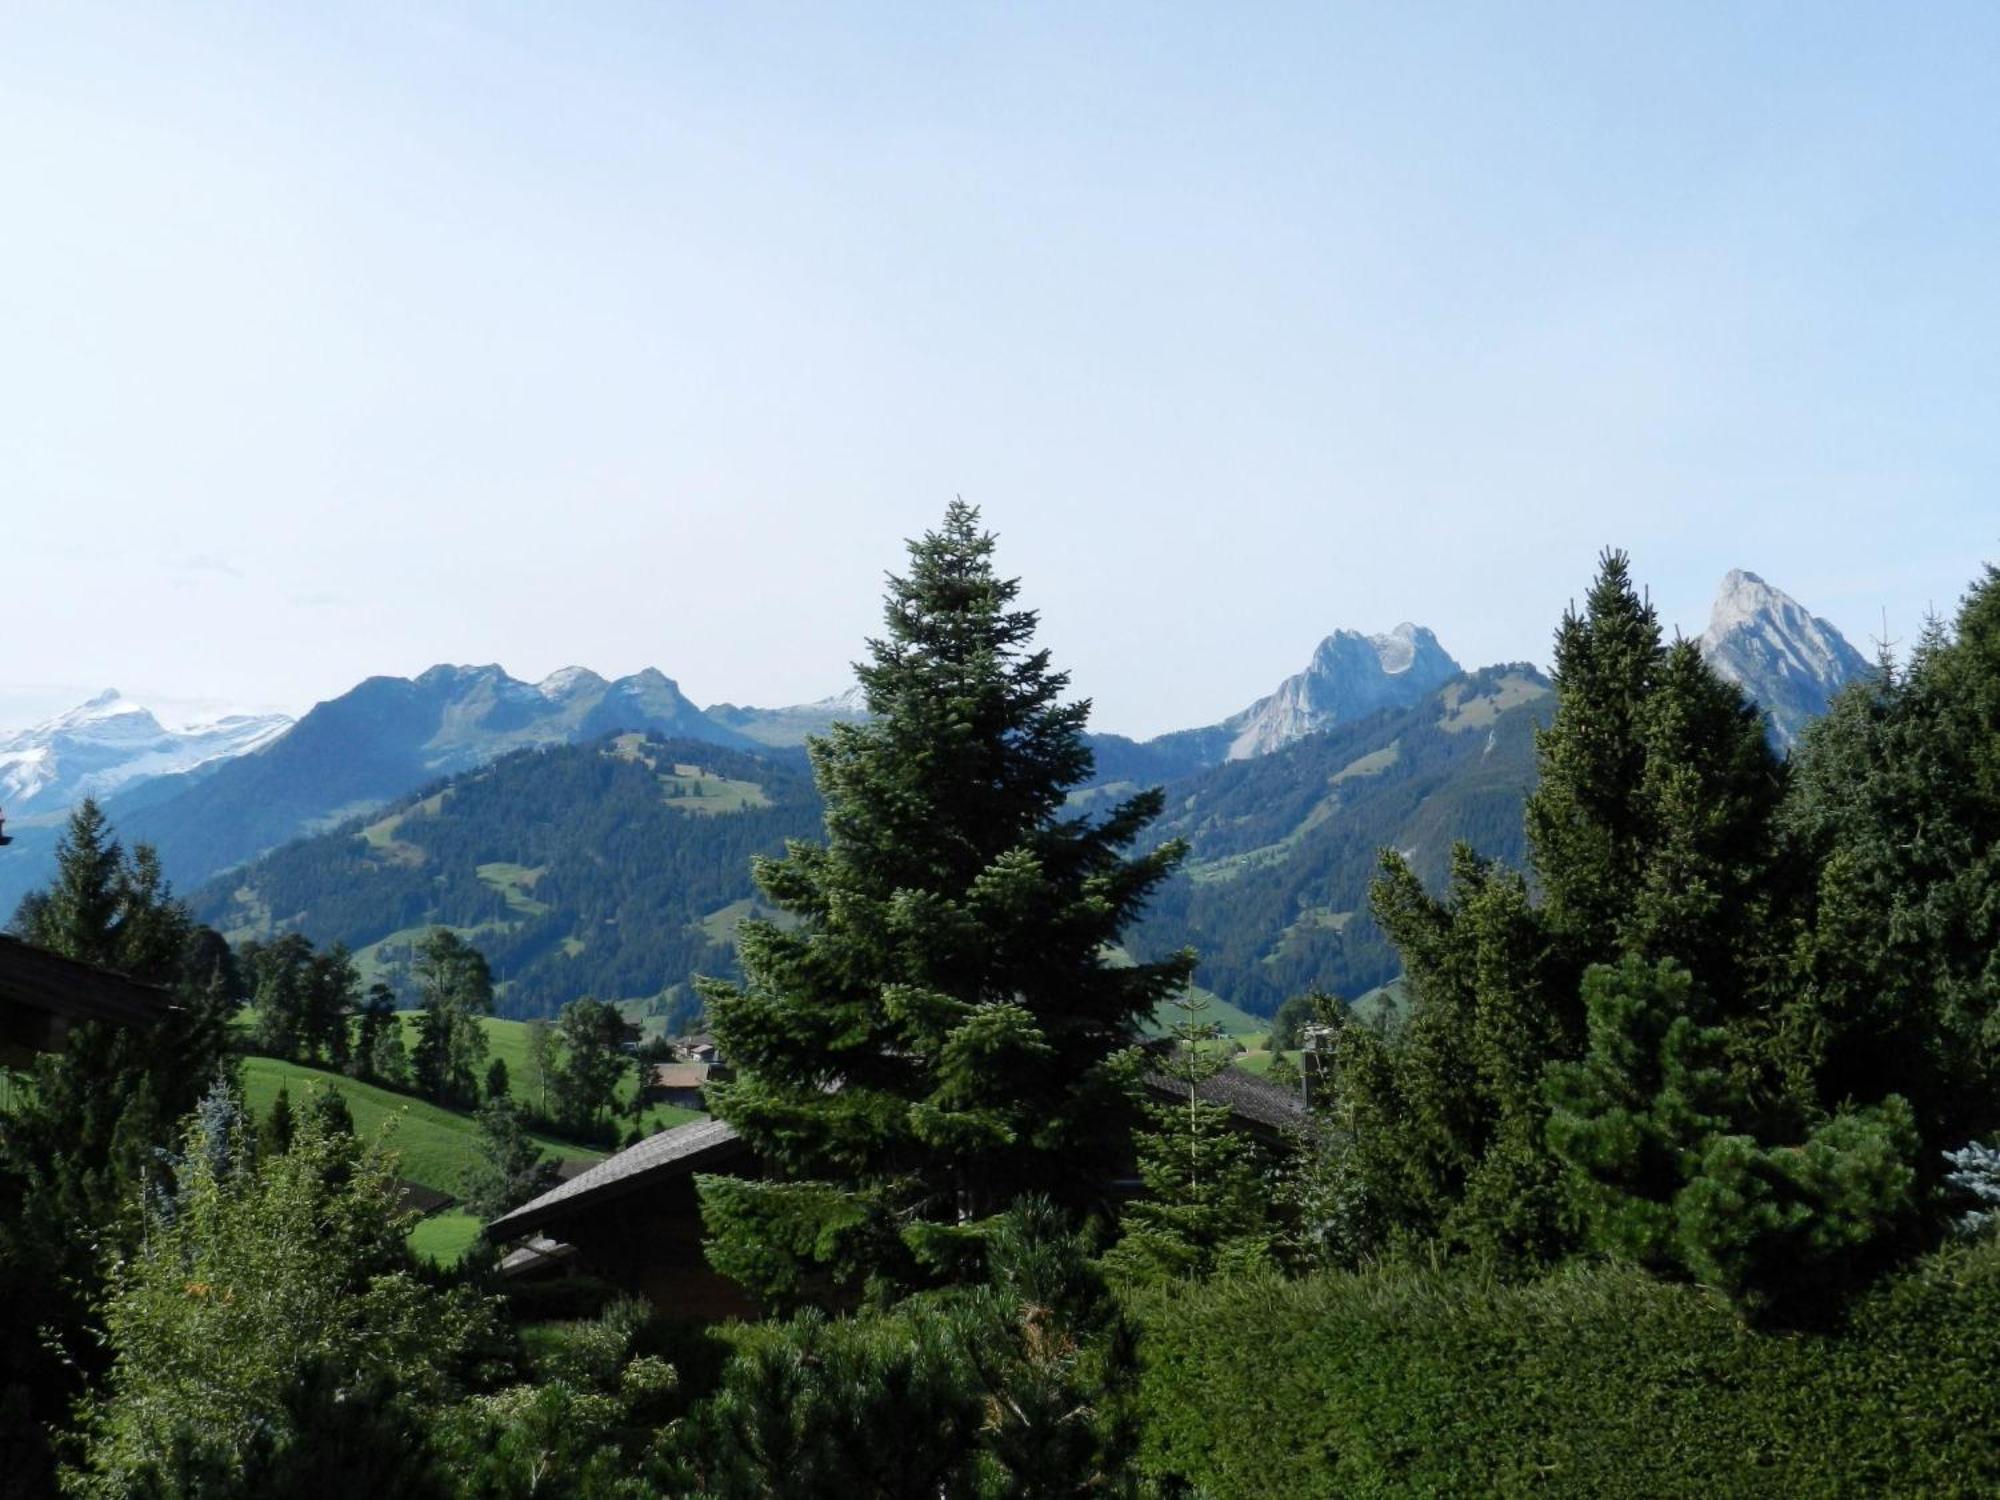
column 244, row 787
column 619, row 868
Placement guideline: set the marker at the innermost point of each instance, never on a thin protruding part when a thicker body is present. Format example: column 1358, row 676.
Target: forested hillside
column 612, row 869
column 1284, row 847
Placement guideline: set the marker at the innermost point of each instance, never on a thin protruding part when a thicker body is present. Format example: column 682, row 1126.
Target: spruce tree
column 1205, row 1205
column 936, row 1036
column 77, row 916
column 1587, row 823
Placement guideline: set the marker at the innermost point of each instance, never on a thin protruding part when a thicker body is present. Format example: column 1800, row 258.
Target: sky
column 342, row 340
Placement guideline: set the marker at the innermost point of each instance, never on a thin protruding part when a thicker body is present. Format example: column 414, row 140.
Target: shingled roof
column 686, row 1148
column 43, row 994
column 1254, row 1100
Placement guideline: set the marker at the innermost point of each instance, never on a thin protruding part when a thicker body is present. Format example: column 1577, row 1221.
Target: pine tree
column 588, row 1062
column 1897, row 805
column 1205, row 1204
column 936, row 1037
column 279, row 1126
column 378, row 1025
column 1653, row 833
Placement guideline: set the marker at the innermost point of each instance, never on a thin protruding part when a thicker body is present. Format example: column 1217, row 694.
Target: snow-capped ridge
column 111, row 742
column 566, row 682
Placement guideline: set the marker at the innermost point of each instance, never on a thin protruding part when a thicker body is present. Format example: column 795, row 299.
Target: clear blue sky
column 345, row 339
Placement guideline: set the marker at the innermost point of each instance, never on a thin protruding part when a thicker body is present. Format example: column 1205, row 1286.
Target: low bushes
column 1597, row 1381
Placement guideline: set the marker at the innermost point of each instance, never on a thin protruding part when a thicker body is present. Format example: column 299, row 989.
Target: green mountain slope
column 434, row 1146
column 578, row 870
column 1283, row 847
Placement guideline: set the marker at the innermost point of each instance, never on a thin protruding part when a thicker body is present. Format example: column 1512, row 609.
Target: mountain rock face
column 111, row 742
column 1791, row 662
column 791, row 726
column 1350, row 676
column 381, row 740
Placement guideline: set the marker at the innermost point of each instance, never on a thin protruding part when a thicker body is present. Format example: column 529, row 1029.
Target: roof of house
column 684, row 1075
column 672, row 1153
column 534, row 1253
column 35, row 979
column 1257, row 1101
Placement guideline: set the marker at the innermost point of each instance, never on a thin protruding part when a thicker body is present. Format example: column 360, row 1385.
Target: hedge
column 1597, row 1381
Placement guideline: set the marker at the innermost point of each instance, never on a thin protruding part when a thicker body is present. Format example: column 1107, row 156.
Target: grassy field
column 434, row 1146
column 445, row 1238
column 508, row 1041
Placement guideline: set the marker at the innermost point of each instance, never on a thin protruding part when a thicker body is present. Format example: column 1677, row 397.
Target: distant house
column 43, row 994
column 634, row 1219
column 699, row 1048
column 677, row 1083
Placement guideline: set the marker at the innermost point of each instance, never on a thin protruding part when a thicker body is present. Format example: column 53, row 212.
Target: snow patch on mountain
column 111, row 742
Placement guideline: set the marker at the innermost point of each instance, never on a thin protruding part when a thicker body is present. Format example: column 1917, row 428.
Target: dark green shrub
column 1597, row 1381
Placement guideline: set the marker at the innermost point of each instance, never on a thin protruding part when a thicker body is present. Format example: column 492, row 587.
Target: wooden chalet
column 43, row 995
column 678, row 1083
column 634, row 1219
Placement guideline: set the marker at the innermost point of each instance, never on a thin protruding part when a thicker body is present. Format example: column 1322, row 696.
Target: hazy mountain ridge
column 580, row 872
column 387, row 736
column 1283, row 847
column 779, row 727
column 1350, row 676
column 374, row 743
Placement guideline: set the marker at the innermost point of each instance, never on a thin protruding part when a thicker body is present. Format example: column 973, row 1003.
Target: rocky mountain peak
column 1789, row 660
column 1350, row 675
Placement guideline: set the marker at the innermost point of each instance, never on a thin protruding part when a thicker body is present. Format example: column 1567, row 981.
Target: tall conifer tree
column 936, row 1036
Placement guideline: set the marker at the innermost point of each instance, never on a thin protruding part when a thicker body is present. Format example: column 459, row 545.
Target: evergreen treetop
column 935, row 1037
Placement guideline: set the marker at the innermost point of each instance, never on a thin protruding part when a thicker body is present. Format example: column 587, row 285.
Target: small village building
column 677, row 1083
column 698, row 1048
